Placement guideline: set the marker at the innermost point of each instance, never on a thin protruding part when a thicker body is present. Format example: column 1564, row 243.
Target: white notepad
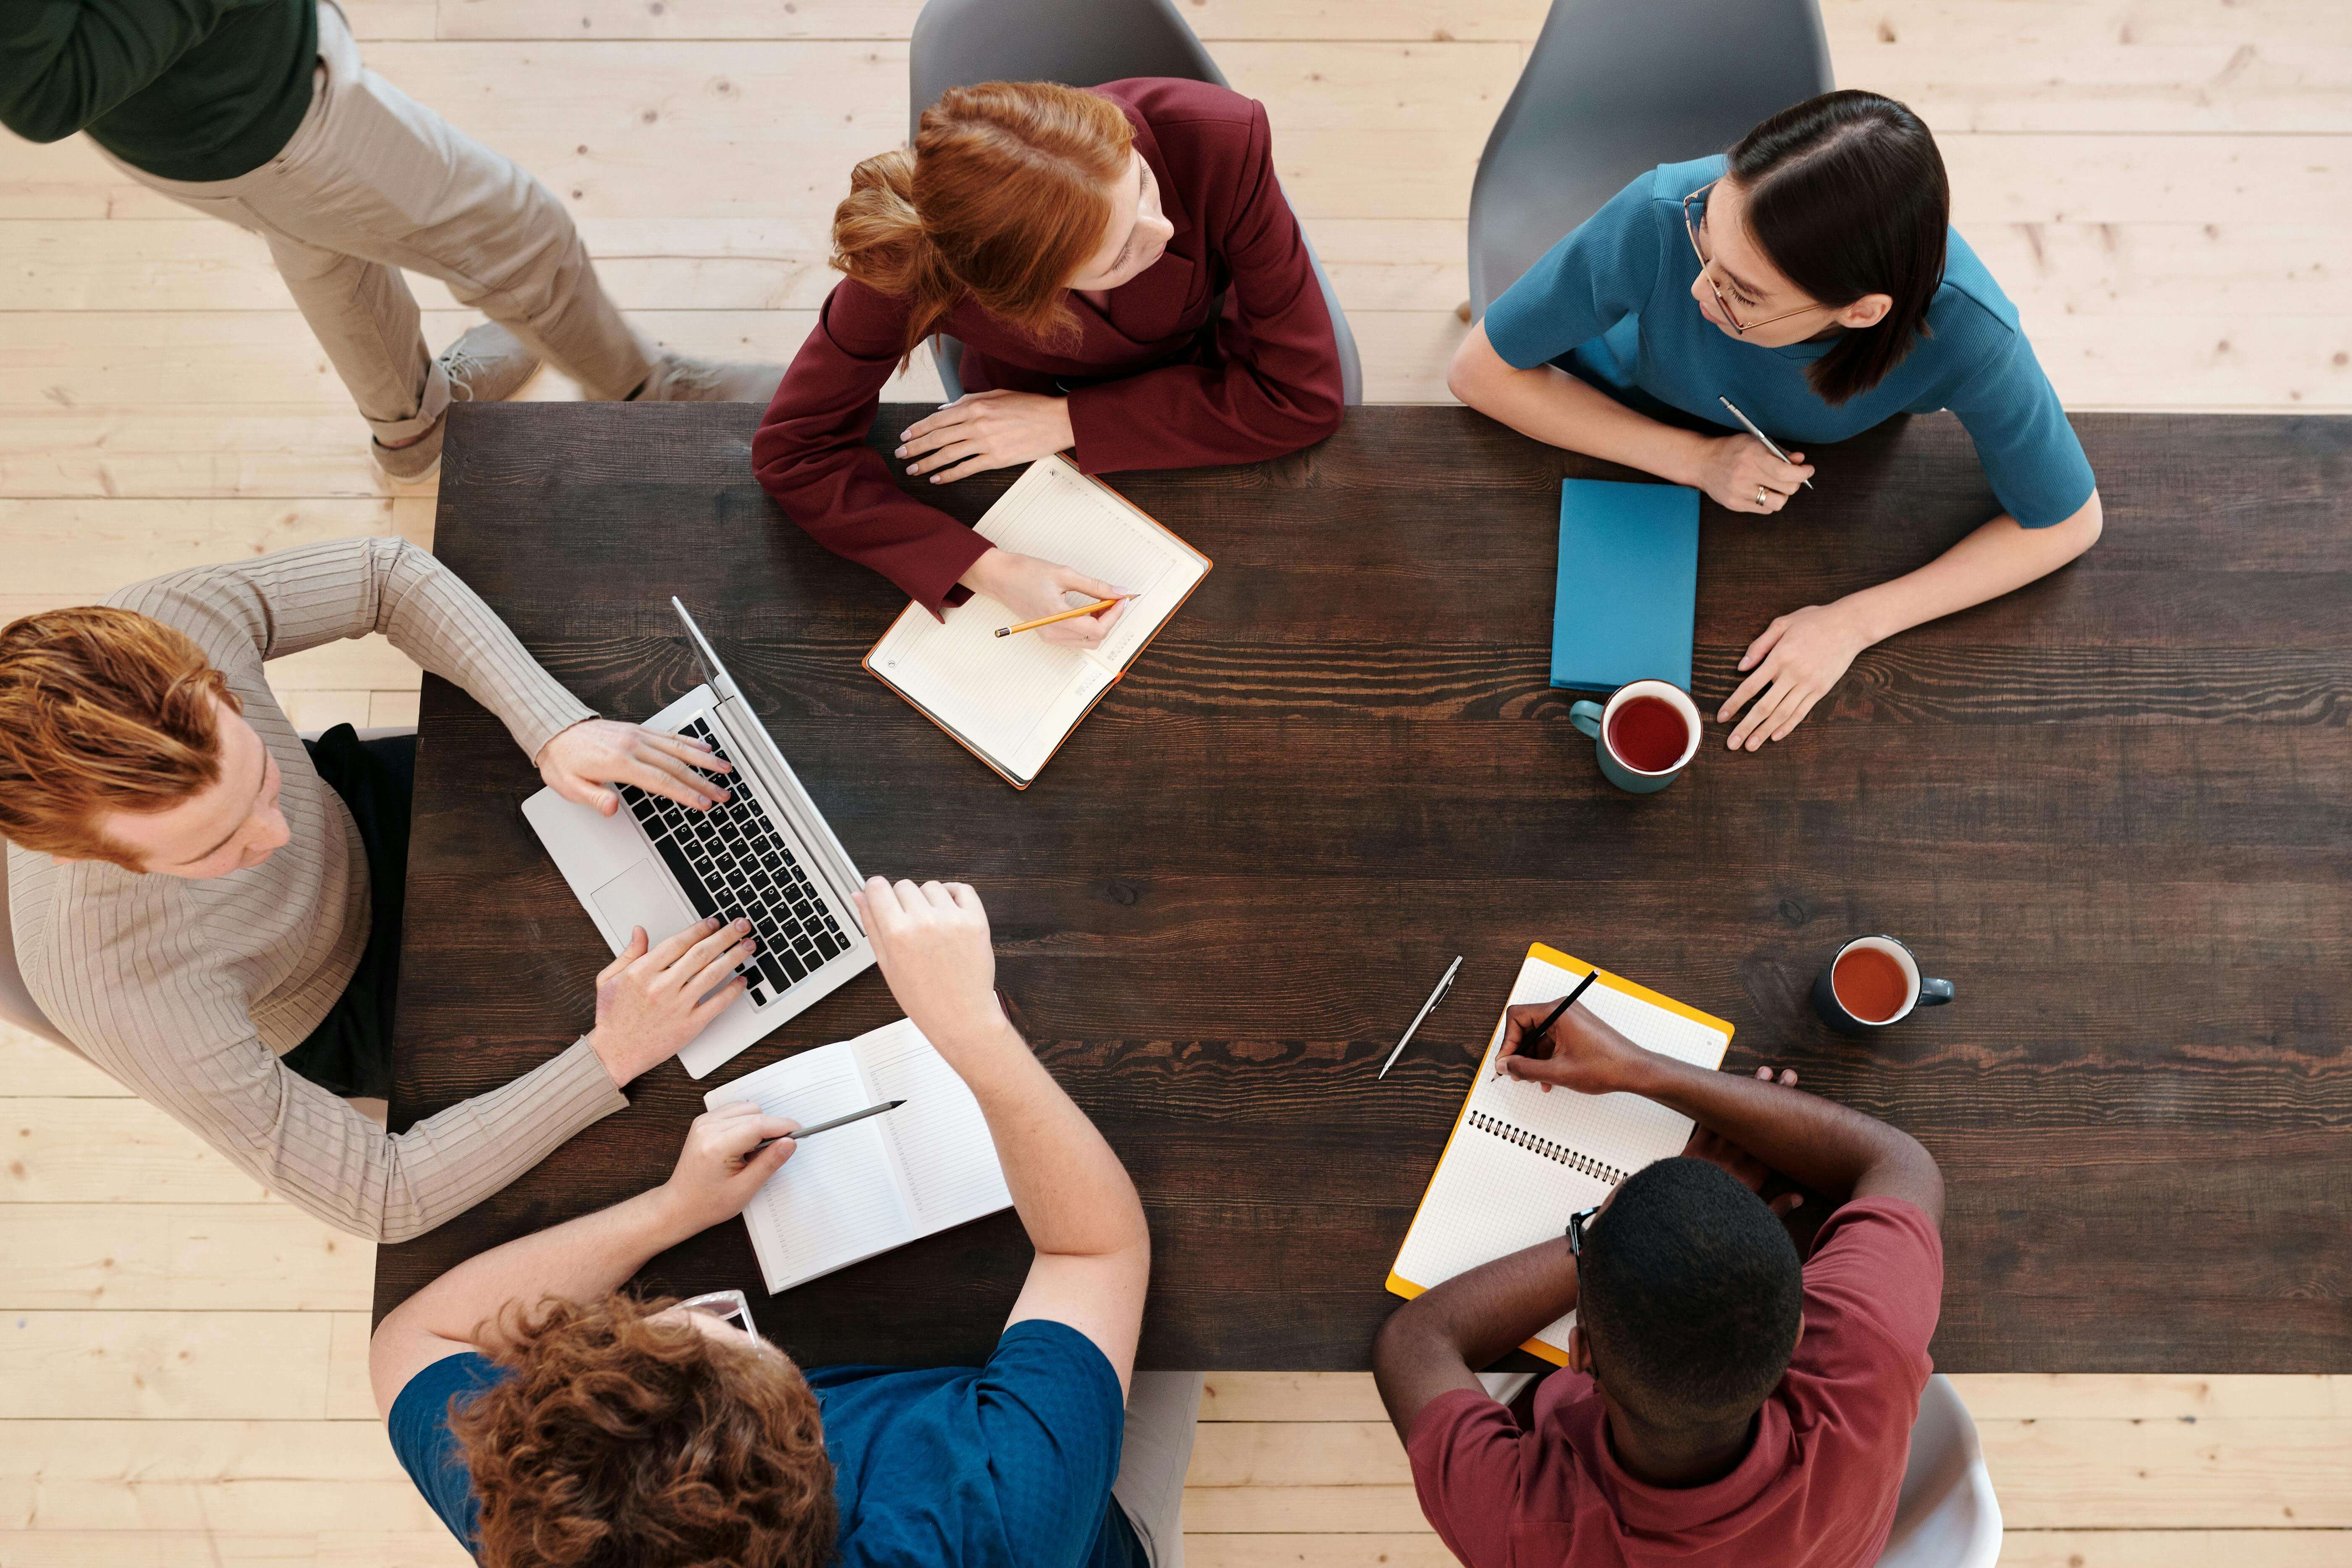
column 860, row 1190
column 1011, row 701
column 1520, row 1160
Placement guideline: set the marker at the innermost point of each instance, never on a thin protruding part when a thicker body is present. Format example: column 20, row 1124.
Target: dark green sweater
column 189, row 89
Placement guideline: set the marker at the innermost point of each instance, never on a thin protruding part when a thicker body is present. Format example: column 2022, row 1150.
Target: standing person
column 1129, row 284
column 1724, row 1405
column 259, row 112
column 1814, row 278
column 549, row 1418
column 209, row 906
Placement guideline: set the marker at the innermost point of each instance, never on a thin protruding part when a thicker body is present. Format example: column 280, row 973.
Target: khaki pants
column 371, row 182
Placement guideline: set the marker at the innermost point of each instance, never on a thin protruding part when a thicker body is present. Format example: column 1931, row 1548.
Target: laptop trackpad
column 645, row 896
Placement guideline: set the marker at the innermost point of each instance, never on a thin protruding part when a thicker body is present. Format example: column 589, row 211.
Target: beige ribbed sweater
column 188, row 992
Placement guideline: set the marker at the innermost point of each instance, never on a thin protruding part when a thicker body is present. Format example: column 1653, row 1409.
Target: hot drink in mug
column 1644, row 735
column 1872, row 982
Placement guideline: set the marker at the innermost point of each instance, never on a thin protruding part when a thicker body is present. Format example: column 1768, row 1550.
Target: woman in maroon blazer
column 1128, row 283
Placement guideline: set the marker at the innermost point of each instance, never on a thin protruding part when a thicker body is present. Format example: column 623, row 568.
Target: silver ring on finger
column 1759, row 495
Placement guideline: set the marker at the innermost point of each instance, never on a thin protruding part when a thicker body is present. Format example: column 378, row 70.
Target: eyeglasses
column 730, row 1307
column 1578, row 1224
column 1707, row 270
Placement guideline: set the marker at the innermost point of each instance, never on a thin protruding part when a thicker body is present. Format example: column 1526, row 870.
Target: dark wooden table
column 2115, row 808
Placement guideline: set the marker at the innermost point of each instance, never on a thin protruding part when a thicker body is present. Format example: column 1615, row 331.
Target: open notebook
column 1520, row 1160
column 1011, row 701
column 860, row 1190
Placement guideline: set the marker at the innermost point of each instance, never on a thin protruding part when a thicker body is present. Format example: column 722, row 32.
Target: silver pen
column 1760, row 435
column 1444, row 984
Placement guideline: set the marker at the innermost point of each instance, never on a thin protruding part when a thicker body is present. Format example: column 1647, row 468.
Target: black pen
column 827, row 1126
column 1540, row 1030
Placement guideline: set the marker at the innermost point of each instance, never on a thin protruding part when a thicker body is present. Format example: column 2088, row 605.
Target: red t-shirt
column 1817, row 1489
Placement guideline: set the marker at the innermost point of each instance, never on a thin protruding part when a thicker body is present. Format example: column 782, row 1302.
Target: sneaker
column 678, row 379
column 486, row 365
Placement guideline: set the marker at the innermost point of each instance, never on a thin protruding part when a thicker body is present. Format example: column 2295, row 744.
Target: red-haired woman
column 1127, row 281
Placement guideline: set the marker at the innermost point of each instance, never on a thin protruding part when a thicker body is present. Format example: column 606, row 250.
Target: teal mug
column 1646, row 734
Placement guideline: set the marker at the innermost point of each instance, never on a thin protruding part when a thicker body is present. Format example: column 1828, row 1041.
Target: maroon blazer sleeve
column 1277, row 386
column 811, row 452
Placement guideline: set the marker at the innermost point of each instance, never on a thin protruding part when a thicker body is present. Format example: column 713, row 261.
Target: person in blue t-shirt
column 1813, row 278
column 549, row 1418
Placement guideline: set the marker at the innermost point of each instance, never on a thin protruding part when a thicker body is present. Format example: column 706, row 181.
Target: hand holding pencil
column 1036, row 592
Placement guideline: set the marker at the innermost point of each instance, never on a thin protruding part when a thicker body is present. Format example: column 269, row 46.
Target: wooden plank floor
column 2164, row 187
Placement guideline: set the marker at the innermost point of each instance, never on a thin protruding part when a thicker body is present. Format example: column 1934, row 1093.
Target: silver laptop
column 766, row 855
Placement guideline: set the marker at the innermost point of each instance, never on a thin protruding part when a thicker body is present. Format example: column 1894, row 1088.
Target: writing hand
column 1741, row 475
column 718, row 1170
column 1031, row 589
column 1587, row 1055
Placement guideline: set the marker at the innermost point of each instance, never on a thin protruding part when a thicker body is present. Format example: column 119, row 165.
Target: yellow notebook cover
column 1519, row 1162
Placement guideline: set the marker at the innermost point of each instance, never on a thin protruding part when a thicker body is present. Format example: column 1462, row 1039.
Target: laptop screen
column 706, row 658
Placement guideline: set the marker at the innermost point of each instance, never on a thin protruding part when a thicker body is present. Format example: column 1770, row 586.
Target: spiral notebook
column 1011, row 701
column 875, row 1184
column 1520, row 1160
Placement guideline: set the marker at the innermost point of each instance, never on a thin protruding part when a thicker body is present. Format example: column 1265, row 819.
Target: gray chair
column 1612, row 90
column 1082, row 42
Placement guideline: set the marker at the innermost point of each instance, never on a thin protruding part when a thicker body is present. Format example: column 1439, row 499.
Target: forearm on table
column 1556, row 408
column 1438, row 1340
column 1074, row 1196
column 1830, row 1148
column 1999, row 558
column 433, row 615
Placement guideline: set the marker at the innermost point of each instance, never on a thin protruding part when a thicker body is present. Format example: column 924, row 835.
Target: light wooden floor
column 2164, row 187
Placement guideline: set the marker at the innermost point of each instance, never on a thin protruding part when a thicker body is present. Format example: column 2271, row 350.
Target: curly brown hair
column 102, row 709
column 618, row 1442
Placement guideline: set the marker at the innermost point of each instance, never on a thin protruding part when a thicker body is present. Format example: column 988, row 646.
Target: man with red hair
column 208, row 905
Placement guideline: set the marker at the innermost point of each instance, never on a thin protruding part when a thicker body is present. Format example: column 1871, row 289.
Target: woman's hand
column 717, row 1171
column 1742, row 476
column 580, row 762
column 1800, row 657
column 979, row 430
column 1587, row 1055
column 651, row 1001
column 1032, row 588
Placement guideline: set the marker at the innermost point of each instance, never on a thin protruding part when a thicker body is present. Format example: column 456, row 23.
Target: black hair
column 1847, row 194
column 1690, row 1292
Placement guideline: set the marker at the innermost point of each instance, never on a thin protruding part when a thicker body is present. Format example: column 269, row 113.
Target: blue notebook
column 1627, row 584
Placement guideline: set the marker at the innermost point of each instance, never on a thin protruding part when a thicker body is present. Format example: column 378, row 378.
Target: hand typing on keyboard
column 651, row 1000
column 581, row 762
column 731, row 861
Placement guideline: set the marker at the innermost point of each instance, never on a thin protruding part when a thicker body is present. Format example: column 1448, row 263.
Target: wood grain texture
column 2112, row 807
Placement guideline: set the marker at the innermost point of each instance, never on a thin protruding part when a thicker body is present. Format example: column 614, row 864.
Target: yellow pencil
column 1064, row 616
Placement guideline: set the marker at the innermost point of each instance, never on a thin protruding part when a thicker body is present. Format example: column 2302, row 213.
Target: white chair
column 1948, row 1517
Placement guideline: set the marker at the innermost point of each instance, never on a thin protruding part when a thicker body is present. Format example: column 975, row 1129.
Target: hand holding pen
column 1558, row 1042
column 1750, row 473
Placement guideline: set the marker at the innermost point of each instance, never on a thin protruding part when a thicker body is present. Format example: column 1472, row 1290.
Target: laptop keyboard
column 733, row 863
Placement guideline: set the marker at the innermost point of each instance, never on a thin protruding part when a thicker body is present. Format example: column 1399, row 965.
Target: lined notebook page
column 1014, row 698
column 942, row 1139
column 837, row 1199
column 1623, row 1131
column 1521, row 1161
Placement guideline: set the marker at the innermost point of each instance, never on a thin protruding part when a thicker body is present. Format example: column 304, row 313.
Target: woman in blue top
column 1813, row 278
